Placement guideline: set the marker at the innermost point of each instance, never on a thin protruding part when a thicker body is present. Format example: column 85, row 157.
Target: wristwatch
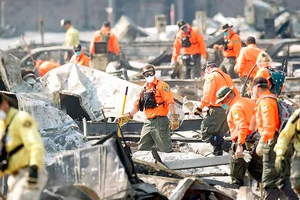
column 240, row 144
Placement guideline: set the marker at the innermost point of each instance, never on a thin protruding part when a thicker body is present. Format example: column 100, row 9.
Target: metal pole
column 2, row 14
column 86, row 14
column 42, row 30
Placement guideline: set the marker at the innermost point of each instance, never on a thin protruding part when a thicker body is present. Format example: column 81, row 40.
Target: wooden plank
column 198, row 162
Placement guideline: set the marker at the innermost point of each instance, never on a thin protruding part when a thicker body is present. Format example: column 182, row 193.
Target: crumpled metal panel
column 98, row 168
column 94, row 88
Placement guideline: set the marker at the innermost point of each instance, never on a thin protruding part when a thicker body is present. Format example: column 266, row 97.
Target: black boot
column 220, row 145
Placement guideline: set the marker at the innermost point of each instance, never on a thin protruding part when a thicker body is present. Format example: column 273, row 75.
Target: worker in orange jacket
column 263, row 63
column 44, row 66
column 156, row 101
column 268, row 124
column 79, row 57
column 231, row 48
column 214, row 125
column 239, row 114
column 105, row 35
column 193, row 47
column 247, row 59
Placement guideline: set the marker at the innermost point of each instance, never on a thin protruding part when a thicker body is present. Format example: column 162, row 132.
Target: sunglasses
column 148, row 73
column 76, row 50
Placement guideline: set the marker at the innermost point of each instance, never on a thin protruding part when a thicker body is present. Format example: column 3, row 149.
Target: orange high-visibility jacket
column 198, row 44
column 234, row 45
column 112, row 45
column 247, row 59
column 267, row 116
column 81, row 60
column 163, row 95
column 213, row 82
column 46, row 66
column 241, row 111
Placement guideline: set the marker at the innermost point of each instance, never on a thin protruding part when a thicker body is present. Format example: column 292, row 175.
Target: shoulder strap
column 6, row 129
column 3, row 140
column 222, row 76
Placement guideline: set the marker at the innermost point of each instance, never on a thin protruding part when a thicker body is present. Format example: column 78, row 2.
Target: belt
column 16, row 172
column 155, row 117
column 231, row 57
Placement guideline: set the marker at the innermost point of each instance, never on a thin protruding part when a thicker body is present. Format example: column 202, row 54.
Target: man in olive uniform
column 156, row 101
column 214, row 126
column 25, row 150
column 291, row 130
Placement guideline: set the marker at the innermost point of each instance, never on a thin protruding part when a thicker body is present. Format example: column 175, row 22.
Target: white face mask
column 150, row 79
column 2, row 115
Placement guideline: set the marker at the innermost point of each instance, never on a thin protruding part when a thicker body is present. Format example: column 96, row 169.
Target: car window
column 66, row 55
column 295, row 50
column 283, row 52
column 48, row 55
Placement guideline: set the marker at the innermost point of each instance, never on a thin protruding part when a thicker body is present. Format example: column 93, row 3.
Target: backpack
column 277, row 79
column 284, row 111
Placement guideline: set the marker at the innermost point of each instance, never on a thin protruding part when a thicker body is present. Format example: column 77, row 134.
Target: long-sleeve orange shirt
column 163, row 95
column 213, row 82
column 247, row 59
column 241, row 111
column 198, row 44
column 234, row 45
column 112, row 44
column 267, row 116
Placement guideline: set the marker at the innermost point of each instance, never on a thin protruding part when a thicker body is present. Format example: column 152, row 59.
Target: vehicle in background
column 60, row 54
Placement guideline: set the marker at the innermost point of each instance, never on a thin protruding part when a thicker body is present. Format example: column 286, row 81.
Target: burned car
column 60, row 54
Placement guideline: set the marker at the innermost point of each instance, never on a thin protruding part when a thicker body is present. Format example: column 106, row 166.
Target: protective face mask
column 2, row 115
column 77, row 53
column 226, row 33
column 224, row 106
column 150, row 79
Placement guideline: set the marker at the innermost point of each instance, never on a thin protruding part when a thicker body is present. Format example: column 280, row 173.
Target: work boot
column 217, row 151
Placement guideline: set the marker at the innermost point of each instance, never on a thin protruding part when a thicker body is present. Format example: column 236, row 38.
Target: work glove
column 239, row 151
column 260, row 147
column 216, row 47
column 203, row 61
column 174, row 64
column 279, row 163
column 197, row 111
column 174, row 122
column 32, row 174
column 125, row 118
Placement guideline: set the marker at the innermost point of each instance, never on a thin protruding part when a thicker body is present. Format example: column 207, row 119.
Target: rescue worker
column 156, row 101
column 268, row 124
column 79, row 57
column 263, row 62
column 264, row 65
column 105, row 35
column 231, row 48
column 247, row 59
column 240, row 111
column 24, row 147
column 290, row 131
column 193, row 47
column 72, row 34
column 214, row 126
column 44, row 66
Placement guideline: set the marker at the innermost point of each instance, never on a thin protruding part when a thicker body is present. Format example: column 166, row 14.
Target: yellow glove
column 279, row 162
column 174, row 122
column 125, row 118
column 259, row 148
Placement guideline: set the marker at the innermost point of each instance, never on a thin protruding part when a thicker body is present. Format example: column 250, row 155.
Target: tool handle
column 123, row 108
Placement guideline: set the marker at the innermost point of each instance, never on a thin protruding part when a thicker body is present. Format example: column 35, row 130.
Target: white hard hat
column 62, row 22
